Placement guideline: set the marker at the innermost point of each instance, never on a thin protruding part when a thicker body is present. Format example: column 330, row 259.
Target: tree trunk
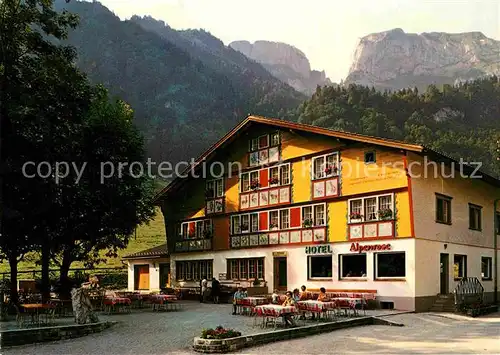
column 14, row 296
column 45, row 271
column 64, row 281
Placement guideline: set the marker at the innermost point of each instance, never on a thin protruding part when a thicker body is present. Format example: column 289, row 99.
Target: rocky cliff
column 285, row 62
column 395, row 59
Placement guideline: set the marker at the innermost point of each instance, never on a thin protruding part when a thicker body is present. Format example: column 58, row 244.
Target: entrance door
column 280, row 274
column 141, row 277
column 444, row 273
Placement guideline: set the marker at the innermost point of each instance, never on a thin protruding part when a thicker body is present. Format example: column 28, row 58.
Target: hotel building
column 322, row 208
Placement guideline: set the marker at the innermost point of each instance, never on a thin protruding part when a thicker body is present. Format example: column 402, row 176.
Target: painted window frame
column 258, row 272
column 449, row 215
column 376, row 264
column 324, row 157
column 239, row 215
column 186, row 268
column 270, row 186
column 215, row 188
column 479, row 210
column 489, row 263
column 309, row 267
column 377, row 197
column 186, row 223
column 254, row 143
column 341, row 267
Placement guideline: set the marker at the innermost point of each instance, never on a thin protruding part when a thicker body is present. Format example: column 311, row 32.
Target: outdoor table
column 274, row 310
column 349, row 302
column 35, row 309
column 118, row 302
column 162, row 301
column 254, row 301
column 316, row 306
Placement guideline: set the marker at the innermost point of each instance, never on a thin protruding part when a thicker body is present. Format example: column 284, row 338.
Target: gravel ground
column 145, row 332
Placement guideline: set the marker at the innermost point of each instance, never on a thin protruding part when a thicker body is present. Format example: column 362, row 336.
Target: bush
column 219, row 333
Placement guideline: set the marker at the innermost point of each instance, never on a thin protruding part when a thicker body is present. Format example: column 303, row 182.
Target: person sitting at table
column 322, row 297
column 275, row 297
column 289, row 301
column 296, row 295
column 238, row 295
column 303, row 293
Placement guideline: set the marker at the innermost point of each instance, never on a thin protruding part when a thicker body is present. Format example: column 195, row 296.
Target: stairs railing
column 468, row 292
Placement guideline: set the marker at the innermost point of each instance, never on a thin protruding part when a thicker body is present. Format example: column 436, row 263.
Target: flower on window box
column 355, row 215
column 385, row 213
column 207, row 233
column 331, row 169
column 274, row 181
column 307, row 223
column 244, row 227
column 209, row 193
column 273, row 225
column 254, row 184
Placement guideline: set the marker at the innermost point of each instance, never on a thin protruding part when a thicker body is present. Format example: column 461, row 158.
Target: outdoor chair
column 22, row 316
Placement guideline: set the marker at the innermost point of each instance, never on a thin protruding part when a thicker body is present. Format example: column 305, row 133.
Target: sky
column 327, row 31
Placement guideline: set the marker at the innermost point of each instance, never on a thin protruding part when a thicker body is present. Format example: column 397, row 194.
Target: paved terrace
column 146, row 332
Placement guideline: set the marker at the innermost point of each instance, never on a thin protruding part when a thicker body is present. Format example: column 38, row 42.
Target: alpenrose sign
column 373, row 247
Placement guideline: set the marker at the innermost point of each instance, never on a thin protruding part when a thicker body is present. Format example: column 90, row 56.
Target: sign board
column 373, row 247
column 319, row 249
column 277, row 254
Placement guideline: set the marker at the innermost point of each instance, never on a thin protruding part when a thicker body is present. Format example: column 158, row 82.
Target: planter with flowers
column 218, row 340
column 274, row 181
column 385, row 213
column 331, row 169
column 219, row 333
column 356, row 217
column 254, row 184
column 307, row 223
column 273, row 226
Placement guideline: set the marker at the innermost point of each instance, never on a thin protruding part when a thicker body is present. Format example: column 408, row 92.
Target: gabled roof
column 155, row 252
column 361, row 138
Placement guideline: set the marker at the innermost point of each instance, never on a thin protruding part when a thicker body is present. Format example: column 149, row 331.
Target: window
column 475, row 221
column 319, row 215
column 273, row 220
column 285, row 219
column 196, row 229
column 277, row 175
column 325, row 166
column 486, row 267
column 275, row 139
column 459, row 266
column 263, row 141
column 254, row 144
column 390, row 265
column 443, row 209
column 307, row 218
column 215, row 188
column 254, row 219
column 235, row 225
column 352, row 265
column 370, row 157
column 372, row 208
column 194, row 270
column 320, row 266
column 244, row 223
column 245, row 269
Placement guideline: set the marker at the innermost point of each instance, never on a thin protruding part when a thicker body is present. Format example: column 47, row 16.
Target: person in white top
column 204, row 287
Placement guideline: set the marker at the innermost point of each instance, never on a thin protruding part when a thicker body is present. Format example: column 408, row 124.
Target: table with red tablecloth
column 113, row 301
column 253, row 301
column 161, row 299
column 316, row 306
column 274, row 310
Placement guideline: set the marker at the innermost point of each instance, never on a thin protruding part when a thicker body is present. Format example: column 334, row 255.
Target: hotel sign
column 373, row 247
column 278, row 254
column 320, row 249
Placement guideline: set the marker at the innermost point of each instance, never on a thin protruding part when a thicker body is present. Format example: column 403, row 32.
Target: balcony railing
column 193, row 245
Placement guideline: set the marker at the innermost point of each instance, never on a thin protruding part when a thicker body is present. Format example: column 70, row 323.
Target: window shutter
column 264, row 178
column 192, row 226
column 263, row 220
column 295, row 217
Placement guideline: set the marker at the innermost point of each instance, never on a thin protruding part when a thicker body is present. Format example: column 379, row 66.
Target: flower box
column 254, row 184
column 331, row 170
column 355, row 217
column 307, row 223
column 219, row 333
column 274, row 181
column 385, row 213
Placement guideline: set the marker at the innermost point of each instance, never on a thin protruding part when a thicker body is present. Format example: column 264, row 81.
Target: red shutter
column 191, row 228
column 295, row 217
column 263, row 220
column 264, row 178
column 263, row 141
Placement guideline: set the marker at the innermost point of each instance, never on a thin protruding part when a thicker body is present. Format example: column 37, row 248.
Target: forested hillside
column 461, row 121
column 183, row 101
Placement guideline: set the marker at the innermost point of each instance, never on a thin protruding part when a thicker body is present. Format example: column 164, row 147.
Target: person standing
column 203, row 289
column 215, row 290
